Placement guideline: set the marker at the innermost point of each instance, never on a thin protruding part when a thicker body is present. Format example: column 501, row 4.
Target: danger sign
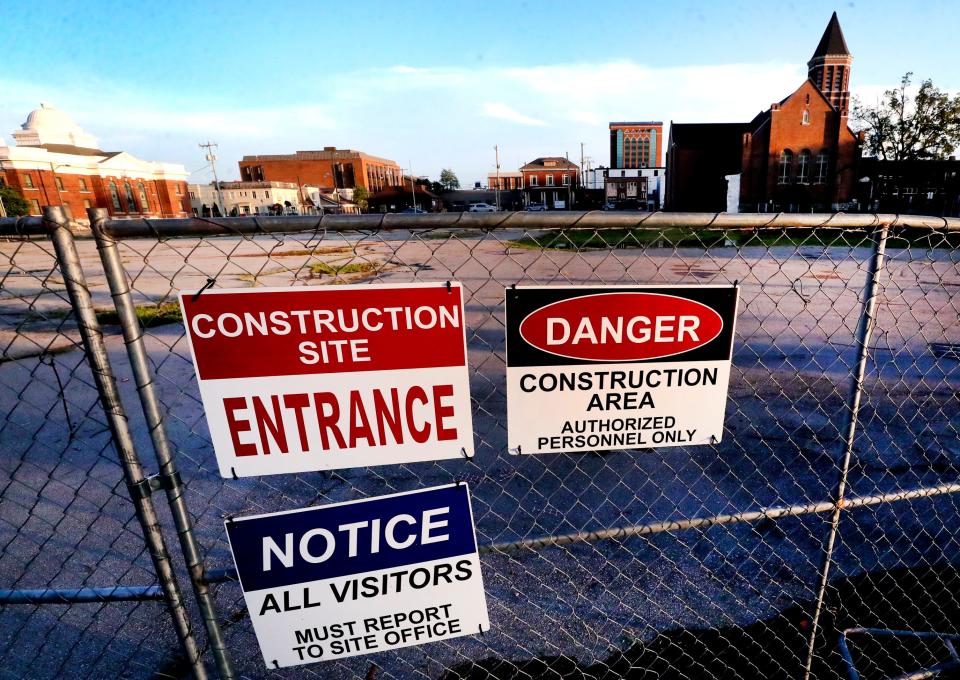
column 298, row 379
column 606, row 368
column 363, row 576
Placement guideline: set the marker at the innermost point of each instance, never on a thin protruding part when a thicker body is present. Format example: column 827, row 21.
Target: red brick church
column 797, row 156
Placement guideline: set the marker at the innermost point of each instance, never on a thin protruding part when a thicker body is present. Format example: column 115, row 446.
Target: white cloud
column 504, row 112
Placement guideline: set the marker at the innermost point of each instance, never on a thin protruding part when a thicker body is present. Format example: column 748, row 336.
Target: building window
column 566, row 180
column 59, row 182
column 534, row 180
column 192, row 195
column 144, row 201
column 83, row 184
column 786, row 163
column 115, row 197
column 28, row 181
column 179, row 190
column 131, row 204
column 549, row 180
column 829, row 78
column 254, row 194
column 823, row 164
column 266, row 194
column 35, row 206
column 806, row 117
column 803, row 167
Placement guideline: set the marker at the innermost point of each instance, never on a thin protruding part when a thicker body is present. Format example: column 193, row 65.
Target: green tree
column 437, row 188
column 906, row 126
column 448, row 178
column 14, row 204
column 362, row 198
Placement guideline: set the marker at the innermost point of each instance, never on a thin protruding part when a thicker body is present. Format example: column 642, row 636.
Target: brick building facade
column 798, row 155
column 54, row 162
column 328, row 169
column 636, row 145
column 551, row 181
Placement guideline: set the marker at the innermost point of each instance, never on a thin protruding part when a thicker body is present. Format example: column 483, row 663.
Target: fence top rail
column 599, row 220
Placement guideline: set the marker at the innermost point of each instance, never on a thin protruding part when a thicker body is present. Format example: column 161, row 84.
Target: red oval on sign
column 621, row 326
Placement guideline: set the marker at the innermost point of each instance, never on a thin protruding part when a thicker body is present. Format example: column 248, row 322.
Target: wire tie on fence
column 463, row 450
column 276, row 664
column 736, row 282
column 233, row 471
column 480, row 628
column 449, row 286
column 713, row 439
column 208, row 284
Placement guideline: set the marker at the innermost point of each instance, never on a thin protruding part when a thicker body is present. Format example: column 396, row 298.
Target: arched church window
column 786, row 163
column 115, row 197
column 803, row 167
column 144, row 202
column 806, row 117
column 131, row 204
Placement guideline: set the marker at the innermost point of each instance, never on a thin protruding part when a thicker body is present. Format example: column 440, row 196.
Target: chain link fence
column 829, row 506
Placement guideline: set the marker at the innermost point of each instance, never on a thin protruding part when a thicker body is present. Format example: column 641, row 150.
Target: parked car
column 481, row 207
column 536, row 207
column 413, row 211
column 609, row 206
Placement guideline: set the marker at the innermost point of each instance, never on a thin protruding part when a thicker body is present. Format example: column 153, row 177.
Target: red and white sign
column 300, row 379
column 597, row 368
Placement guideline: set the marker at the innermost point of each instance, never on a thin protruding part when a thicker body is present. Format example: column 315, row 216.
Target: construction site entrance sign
column 600, row 368
column 363, row 576
column 301, row 379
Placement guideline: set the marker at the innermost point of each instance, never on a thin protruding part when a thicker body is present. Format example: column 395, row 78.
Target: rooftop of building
column 832, row 42
column 699, row 134
column 550, row 162
column 637, row 123
column 327, row 153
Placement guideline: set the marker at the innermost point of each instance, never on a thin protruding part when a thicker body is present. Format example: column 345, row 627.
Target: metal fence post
column 55, row 222
column 862, row 341
column 168, row 473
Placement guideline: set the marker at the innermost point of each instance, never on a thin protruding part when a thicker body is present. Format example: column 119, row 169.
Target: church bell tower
column 829, row 67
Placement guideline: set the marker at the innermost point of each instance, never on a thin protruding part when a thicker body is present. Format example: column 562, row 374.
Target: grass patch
column 606, row 239
column 301, row 252
column 150, row 315
column 587, row 239
column 332, row 269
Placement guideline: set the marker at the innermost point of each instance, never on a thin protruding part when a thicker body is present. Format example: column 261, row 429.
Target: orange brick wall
column 162, row 197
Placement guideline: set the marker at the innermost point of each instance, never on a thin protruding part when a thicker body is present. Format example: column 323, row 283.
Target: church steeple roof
column 832, row 42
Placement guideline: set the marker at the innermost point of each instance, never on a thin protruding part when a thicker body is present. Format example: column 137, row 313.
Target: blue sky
column 434, row 85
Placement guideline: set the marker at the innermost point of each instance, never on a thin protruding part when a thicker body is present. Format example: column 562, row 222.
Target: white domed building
column 55, row 162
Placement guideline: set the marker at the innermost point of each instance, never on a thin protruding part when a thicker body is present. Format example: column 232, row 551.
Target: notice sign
column 364, row 576
column 298, row 379
column 603, row 368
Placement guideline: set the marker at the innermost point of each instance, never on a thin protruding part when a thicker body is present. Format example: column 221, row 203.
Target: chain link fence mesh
column 65, row 514
column 718, row 599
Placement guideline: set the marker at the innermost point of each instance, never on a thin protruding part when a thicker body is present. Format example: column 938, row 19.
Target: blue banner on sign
column 300, row 546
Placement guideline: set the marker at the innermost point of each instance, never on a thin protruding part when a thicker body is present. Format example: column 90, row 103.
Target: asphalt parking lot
column 66, row 522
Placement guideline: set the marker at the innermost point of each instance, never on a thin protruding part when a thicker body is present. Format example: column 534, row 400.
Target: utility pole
column 413, row 188
column 212, row 157
column 3, row 208
column 496, row 151
column 583, row 173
